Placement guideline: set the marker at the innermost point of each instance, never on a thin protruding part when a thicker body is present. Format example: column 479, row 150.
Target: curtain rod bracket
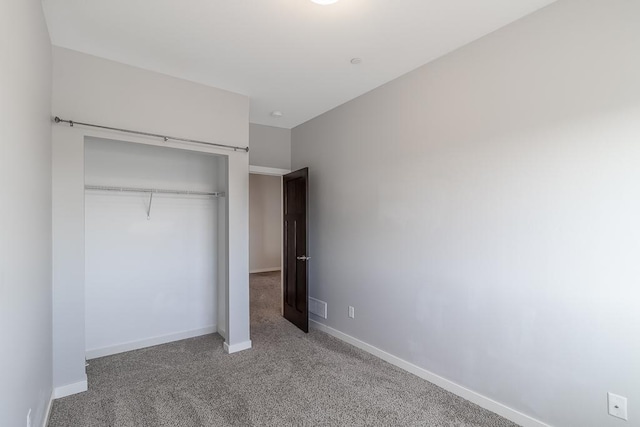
column 149, row 208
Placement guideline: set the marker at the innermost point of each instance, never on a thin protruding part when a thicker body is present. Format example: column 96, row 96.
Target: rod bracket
column 149, row 208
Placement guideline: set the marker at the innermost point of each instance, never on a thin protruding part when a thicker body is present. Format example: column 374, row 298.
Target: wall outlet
column 617, row 406
column 352, row 312
column 29, row 418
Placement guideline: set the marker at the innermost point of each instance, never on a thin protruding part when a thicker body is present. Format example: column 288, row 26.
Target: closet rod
column 154, row 190
column 154, row 135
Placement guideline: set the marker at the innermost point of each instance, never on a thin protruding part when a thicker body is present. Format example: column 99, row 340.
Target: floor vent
column 317, row 307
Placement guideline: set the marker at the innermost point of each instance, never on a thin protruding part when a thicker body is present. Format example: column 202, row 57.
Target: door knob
column 303, row 258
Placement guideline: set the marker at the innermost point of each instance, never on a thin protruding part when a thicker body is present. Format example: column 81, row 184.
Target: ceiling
column 291, row 56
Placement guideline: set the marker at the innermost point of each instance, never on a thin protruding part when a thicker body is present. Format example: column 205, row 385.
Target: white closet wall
column 155, row 280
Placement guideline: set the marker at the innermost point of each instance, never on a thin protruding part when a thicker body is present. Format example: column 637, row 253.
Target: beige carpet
column 287, row 379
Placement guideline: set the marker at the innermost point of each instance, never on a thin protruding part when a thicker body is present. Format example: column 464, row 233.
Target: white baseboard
column 264, row 270
column 480, row 400
column 69, row 389
column 149, row 342
column 234, row 348
column 47, row 411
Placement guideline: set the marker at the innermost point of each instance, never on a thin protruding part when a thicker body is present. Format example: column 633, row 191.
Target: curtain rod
column 155, row 135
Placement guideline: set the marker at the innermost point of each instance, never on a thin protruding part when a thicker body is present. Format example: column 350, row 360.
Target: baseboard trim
column 149, row 342
column 47, row 411
column 234, row 348
column 470, row 395
column 69, row 389
column 264, row 270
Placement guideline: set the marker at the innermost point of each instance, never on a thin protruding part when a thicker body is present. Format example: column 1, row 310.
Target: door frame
column 261, row 170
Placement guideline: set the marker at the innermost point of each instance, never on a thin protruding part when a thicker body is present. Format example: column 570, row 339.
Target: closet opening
column 155, row 245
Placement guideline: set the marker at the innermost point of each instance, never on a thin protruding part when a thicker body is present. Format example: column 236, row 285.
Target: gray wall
column 265, row 223
column 269, row 146
column 481, row 213
column 25, row 213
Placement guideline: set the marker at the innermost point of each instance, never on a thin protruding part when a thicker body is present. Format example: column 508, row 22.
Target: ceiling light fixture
column 324, row 2
column 276, row 114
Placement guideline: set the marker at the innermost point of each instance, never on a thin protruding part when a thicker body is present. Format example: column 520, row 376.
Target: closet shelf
column 154, row 191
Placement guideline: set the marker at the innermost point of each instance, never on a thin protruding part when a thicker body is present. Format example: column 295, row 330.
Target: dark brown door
column 296, row 258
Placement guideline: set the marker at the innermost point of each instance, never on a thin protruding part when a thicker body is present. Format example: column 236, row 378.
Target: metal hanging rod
column 154, row 191
column 154, row 135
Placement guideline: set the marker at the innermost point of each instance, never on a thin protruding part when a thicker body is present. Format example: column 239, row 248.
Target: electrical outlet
column 29, row 418
column 352, row 312
column 617, row 406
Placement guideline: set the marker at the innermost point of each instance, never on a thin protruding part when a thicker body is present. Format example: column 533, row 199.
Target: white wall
column 481, row 213
column 25, row 213
column 269, row 146
column 265, row 222
column 94, row 90
column 148, row 280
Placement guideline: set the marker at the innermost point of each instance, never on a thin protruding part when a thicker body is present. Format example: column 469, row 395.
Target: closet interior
column 155, row 244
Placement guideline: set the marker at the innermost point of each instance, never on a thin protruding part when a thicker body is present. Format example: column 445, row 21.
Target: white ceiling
column 287, row 55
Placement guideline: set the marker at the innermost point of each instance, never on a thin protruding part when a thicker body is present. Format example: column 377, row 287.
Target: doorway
column 265, row 237
column 278, row 225
column 265, row 227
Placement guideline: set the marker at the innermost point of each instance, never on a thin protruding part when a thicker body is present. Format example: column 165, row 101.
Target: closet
column 154, row 232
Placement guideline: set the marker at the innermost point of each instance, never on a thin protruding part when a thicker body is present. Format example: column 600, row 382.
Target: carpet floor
column 288, row 378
